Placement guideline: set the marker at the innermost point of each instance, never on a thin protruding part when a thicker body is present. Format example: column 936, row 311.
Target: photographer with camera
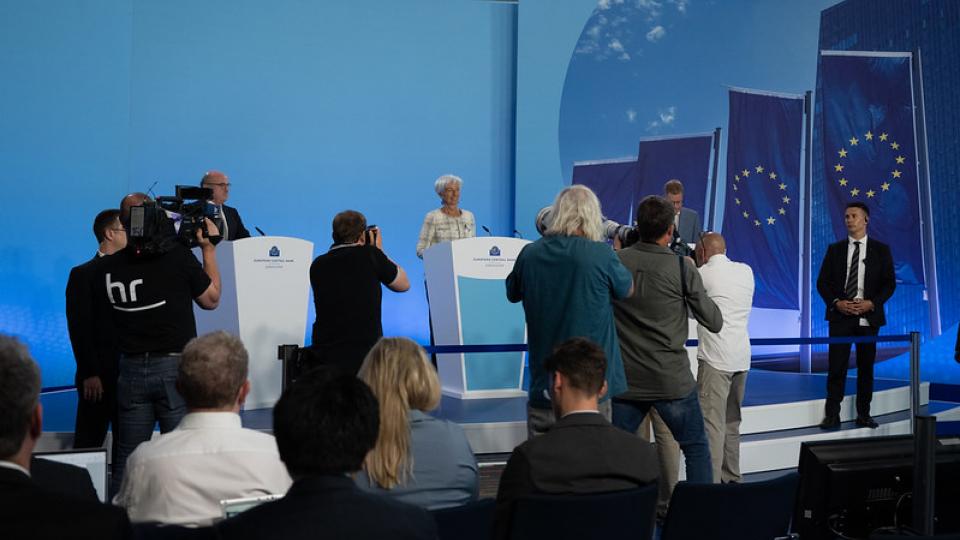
column 150, row 287
column 346, row 292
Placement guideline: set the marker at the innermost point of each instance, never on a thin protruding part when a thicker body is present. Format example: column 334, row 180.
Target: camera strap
column 683, row 277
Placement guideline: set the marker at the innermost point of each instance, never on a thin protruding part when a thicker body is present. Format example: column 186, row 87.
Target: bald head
column 129, row 201
column 219, row 184
column 710, row 244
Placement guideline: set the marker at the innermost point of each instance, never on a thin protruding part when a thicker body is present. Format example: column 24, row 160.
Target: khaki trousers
column 721, row 397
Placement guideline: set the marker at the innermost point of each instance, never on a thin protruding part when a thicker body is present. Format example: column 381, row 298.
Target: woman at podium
column 449, row 222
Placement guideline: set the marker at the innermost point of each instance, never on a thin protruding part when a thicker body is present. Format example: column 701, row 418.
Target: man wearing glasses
column 231, row 225
column 94, row 339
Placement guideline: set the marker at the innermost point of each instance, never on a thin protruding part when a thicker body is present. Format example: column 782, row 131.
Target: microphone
column 484, row 227
column 259, row 230
column 517, row 234
column 150, row 189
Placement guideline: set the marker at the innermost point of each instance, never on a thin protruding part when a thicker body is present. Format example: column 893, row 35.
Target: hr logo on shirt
column 122, row 290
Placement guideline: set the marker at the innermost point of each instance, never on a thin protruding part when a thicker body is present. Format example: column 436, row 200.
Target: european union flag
column 615, row 183
column 761, row 219
column 685, row 158
column 869, row 153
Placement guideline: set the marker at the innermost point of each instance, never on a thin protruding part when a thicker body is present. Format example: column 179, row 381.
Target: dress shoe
column 867, row 421
column 830, row 421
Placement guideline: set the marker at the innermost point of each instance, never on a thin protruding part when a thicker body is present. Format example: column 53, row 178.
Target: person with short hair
column 325, row 424
column 231, row 226
column 856, row 279
column 724, row 356
column 94, row 339
column 652, row 326
column 582, row 453
column 28, row 510
column 567, row 281
column 686, row 221
column 418, row 459
column 449, row 222
column 181, row 477
column 346, row 292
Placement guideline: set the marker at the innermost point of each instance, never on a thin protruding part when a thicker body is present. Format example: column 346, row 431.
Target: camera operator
column 346, row 292
column 150, row 286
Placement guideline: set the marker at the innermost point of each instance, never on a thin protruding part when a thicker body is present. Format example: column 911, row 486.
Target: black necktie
column 851, row 288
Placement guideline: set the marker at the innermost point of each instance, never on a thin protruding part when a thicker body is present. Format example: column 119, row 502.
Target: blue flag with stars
column 869, row 153
column 615, row 183
column 761, row 218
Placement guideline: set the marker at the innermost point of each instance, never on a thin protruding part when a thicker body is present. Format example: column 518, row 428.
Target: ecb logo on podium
column 494, row 251
column 274, row 251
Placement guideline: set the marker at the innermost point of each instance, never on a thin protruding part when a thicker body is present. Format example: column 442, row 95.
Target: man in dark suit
column 686, row 222
column 231, row 227
column 94, row 339
column 325, row 424
column 26, row 509
column 856, row 279
column 582, row 452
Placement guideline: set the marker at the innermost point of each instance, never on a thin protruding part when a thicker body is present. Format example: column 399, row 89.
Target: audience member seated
column 26, row 509
column 583, row 452
column 325, row 424
column 181, row 477
column 418, row 459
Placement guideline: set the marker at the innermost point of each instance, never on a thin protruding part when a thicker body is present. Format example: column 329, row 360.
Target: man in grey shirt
column 652, row 327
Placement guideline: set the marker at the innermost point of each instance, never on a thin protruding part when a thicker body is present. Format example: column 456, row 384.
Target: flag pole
column 926, row 204
column 713, row 180
column 805, row 243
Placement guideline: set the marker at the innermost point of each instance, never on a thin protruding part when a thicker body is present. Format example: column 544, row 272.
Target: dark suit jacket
column 63, row 478
column 581, row 453
column 28, row 511
column 879, row 280
column 90, row 325
column 235, row 228
column 330, row 507
column 689, row 228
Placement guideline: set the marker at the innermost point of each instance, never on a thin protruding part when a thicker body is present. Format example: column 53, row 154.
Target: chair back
column 471, row 521
column 616, row 514
column 748, row 511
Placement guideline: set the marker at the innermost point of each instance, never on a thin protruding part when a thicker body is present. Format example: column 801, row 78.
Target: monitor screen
column 94, row 460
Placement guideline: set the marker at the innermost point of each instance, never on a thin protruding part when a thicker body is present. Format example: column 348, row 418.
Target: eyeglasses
column 121, row 229
column 221, row 184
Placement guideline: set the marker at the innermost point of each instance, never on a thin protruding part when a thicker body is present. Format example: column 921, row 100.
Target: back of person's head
column 212, row 370
column 348, row 226
column 104, row 221
column 673, row 187
column 576, row 212
column 582, row 362
column 401, row 377
column 325, row 423
column 654, row 218
column 19, row 394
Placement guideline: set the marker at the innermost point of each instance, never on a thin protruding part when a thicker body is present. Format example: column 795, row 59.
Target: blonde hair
column 576, row 212
column 401, row 377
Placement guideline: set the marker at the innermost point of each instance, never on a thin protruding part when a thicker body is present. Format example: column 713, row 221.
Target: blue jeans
column 146, row 394
column 685, row 420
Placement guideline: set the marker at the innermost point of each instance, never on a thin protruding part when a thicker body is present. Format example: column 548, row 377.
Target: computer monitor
column 232, row 507
column 94, row 460
column 852, row 487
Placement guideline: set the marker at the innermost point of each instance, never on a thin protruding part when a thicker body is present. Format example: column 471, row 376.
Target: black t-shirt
column 346, row 294
column 152, row 298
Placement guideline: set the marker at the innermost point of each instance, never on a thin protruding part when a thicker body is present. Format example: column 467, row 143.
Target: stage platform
column 781, row 410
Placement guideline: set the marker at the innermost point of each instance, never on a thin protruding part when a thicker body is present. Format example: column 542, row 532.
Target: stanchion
column 924, row 473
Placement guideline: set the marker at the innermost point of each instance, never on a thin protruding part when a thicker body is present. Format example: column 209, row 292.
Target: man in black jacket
column 231, row 226
column 856, row 279
column 94, row 339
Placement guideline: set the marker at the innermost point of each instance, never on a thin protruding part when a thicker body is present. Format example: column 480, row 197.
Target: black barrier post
column 914, row 380
column 924, row 473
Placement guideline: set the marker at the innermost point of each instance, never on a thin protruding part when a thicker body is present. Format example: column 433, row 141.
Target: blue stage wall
column 310, row 107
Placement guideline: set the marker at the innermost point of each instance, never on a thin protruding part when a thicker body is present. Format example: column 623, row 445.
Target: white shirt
column 180, row 477
column 11, row 465
column 861, row 270
column 730, row 285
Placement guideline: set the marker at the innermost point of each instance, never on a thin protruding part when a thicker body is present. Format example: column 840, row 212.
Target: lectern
column 468, row 305
column 265, row 288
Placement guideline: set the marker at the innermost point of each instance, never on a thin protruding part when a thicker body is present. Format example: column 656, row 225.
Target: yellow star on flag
column 885, row 186
column 737, row 177
column 843, row 181
column 786, row 200
column 869, row 136
column 854, row 192
column 759, row 168
column 771, row 220
column 896, row 174
column 895, row 146
column 843, row 152
column 871, row 193
column 900, row 160
column 854, row 141
column 735, row 188
column 746, row 214
column 782, row 212
column 838, row 167
column 756, row 222
column 783, row 187
column 773, row 176
column 745, row 173
column 883, row 137
column 737, row 201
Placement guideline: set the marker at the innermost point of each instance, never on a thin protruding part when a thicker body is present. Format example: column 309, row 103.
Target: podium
column 468, row 305
column 265, row 288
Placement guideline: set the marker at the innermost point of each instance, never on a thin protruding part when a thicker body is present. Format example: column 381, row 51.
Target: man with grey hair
column 181, row 477
column 26, row 509
column 567, row 281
